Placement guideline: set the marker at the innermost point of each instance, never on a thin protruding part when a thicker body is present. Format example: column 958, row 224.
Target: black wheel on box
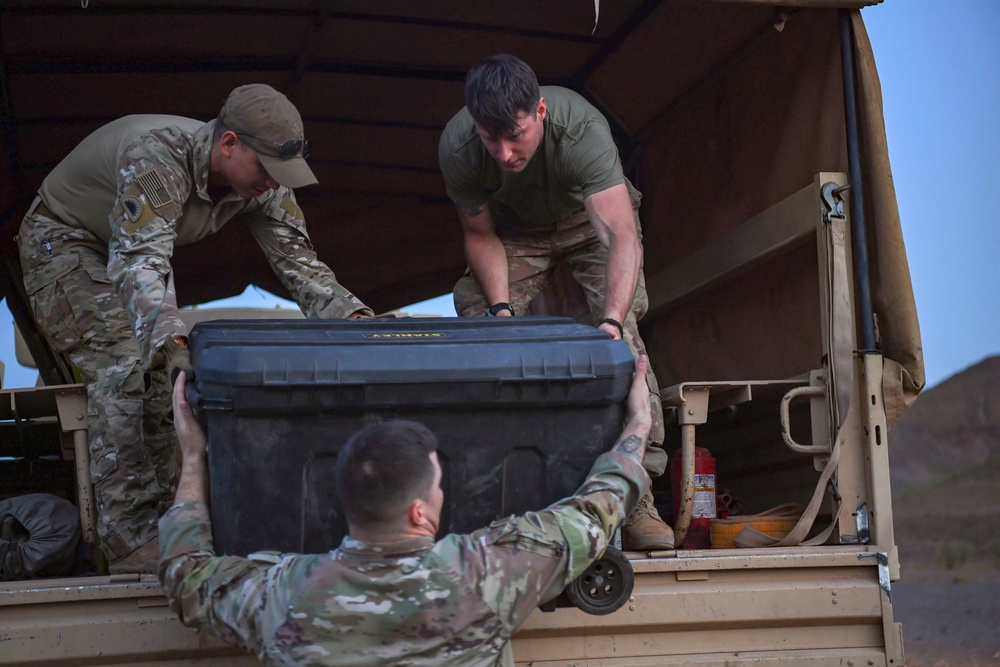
column 604, row 586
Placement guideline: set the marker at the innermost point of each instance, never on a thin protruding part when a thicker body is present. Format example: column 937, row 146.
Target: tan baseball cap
column 271, row 125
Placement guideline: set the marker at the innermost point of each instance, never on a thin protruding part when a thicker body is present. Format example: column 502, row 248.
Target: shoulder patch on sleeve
column 289, row 206
column 153, row 187
column 133, row 210
column 132, row 207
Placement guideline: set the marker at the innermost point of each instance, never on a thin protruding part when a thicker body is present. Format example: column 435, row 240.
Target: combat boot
column 144, row 560
column 644, row 530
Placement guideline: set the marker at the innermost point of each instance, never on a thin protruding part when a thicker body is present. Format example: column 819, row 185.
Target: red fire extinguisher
column 699, row 533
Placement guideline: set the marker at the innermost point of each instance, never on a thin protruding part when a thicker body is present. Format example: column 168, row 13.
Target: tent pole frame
column 857, row 195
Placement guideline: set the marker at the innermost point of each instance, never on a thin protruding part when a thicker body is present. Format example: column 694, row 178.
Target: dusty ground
column 951, row 618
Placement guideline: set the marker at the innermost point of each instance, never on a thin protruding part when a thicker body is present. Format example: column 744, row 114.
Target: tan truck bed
column 824, row 606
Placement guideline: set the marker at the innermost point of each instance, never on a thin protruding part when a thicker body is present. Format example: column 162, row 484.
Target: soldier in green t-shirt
column 536, row 178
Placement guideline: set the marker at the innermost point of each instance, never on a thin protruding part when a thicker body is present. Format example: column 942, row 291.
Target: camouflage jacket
column 413, row 602
column 151, row 174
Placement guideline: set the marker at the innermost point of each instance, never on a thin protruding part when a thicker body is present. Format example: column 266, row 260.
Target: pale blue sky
column 939, row 64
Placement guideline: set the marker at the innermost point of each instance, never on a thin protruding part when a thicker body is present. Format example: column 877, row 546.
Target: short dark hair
column 498, row 90
column 382, row 469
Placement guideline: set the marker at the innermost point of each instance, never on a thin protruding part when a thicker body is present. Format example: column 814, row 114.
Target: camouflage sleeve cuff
column 344, row 308
column 590, row 518
column 185, row 529
column 624, row 466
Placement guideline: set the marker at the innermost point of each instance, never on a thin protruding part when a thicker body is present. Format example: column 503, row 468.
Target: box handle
column 199, row 402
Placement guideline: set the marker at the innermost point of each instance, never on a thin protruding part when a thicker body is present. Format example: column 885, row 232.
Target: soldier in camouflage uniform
column 95, row 249
column 390, row 595
column 536, row 178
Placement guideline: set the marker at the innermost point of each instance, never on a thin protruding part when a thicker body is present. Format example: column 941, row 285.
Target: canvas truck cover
column 720, row 110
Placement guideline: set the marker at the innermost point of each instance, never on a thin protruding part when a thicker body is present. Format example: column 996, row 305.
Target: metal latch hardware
column 833, row 200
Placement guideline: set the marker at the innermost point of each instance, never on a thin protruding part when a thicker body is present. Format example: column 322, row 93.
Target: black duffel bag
column 39, row 536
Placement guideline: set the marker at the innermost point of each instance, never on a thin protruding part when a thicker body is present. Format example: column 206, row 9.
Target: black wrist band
column 616, row 323
column 497, row 307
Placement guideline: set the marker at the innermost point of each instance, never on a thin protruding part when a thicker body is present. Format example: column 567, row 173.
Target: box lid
column 385, row 361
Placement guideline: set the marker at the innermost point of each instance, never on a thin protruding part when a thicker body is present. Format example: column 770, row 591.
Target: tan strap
column 840, row 321
column 786, row 511
column 843, row 391
column 748, row 537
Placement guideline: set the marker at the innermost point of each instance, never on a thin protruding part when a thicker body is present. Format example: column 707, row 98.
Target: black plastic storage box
column 521, row 408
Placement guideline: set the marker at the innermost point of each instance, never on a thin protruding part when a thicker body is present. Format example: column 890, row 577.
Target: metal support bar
column 84, row 491
column 859, row 242
column 71, row 406
column 687, row 485
column 877, row 453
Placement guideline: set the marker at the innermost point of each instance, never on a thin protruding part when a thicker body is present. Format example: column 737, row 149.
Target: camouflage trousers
column 531, row 259
column 130, row 429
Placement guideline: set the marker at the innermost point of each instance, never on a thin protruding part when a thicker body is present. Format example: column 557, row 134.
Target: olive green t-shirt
column 577, row 157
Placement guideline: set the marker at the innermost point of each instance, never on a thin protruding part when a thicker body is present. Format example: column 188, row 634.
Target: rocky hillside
column 952, row 428
column 945, row 458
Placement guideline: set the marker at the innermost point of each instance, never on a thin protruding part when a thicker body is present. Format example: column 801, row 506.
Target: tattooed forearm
column 630, row 445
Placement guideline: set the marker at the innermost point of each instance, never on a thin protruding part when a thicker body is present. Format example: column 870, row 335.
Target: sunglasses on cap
column 286, row 149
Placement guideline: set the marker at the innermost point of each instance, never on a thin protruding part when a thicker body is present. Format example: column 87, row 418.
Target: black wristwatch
column 497, row 307
column 615, row 323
